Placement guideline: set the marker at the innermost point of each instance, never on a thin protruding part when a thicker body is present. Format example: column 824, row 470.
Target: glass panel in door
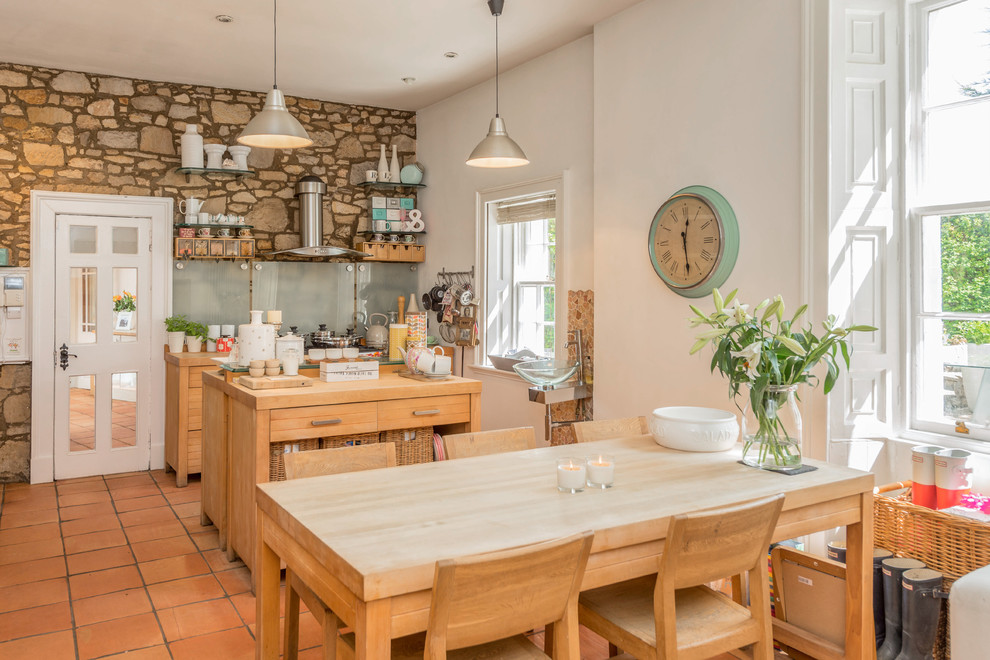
column 123, row 413
column 82, row 413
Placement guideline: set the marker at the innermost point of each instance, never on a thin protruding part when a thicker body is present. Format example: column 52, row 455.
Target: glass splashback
column 307, row 292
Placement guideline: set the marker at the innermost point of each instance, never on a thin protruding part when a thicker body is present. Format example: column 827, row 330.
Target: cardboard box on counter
column 345, row 370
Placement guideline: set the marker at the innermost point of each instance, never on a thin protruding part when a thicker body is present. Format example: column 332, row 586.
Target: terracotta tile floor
column 119, row 566
column 82, row 425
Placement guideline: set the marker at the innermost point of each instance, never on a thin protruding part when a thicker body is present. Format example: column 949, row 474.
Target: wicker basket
column 411, row 445
column 349, row 440
column 276, row 464
column 947, row 543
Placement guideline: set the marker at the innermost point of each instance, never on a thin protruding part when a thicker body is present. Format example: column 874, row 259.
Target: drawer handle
column 435, row 411
column 326, row 422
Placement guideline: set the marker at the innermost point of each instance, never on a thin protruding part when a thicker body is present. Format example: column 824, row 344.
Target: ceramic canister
column 951, row 477
column 211, row 341
column 417, row 328
column 397, row 333
column 255, row 340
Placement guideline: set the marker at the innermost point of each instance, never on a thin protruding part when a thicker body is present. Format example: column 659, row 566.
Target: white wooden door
column 103, row 364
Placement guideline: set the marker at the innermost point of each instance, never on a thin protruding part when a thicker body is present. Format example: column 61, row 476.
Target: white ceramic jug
column 191, row 145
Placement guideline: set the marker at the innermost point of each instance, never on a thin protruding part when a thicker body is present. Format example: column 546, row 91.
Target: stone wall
column 78, row 132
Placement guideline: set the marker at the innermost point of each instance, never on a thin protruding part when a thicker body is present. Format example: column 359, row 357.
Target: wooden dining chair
column 674, row 614
column 604, row 429
column 313, row 464
column 483, row 605
column 482, row 443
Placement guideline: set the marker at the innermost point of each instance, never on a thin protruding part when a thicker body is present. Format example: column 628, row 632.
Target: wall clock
column 694, row 241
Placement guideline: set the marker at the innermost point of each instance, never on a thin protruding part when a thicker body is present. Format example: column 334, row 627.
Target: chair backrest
column 482, row 443
column 604, row 429
column 335, row 461
column 709, row 545
column 491, row 596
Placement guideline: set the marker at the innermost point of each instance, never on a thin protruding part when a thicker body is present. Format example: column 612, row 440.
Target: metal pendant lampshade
column 274, row 127
column 497, row 149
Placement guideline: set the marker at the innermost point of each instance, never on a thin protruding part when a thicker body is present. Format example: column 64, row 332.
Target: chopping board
column 274, row 382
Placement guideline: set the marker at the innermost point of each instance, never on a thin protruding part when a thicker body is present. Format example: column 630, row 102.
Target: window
column 520, row 271
column 949, row 212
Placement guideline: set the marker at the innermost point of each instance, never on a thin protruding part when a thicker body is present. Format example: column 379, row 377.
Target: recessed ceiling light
column 224, row 18
column 450, row 54
column 409, row 81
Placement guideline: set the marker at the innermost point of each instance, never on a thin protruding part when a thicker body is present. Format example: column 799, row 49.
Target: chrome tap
column 580, row 353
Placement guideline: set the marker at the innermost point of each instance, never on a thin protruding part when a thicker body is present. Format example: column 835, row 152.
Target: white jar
column 290, row 362
column 191, row 145
column 256, row 340
column 214, row 155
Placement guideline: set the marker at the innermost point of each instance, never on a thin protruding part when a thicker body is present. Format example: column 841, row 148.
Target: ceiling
column 351, row 51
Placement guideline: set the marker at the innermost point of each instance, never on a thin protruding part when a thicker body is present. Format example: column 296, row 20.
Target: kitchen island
column 245, row 432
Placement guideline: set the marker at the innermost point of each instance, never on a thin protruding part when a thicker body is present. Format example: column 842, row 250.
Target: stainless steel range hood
column 310, row 191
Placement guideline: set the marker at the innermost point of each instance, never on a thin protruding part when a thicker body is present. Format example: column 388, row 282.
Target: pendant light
column 497, row 149
column 274, row 127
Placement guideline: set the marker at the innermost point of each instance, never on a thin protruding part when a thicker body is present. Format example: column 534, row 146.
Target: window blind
column 541, row 206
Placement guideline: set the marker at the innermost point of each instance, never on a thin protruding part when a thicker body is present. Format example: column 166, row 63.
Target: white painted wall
column 547, row 106
column 689, row 92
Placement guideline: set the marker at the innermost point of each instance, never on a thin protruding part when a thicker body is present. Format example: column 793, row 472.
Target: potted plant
column 175, row 329
column 771, row 355
column 196, row 334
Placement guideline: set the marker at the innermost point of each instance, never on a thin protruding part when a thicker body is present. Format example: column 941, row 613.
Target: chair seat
column 411, row 648
column 700, row 611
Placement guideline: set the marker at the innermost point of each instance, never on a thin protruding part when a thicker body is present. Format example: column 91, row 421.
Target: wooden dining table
column 366, row 543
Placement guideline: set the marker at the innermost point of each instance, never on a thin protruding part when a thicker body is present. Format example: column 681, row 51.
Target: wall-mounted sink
column 545, row 374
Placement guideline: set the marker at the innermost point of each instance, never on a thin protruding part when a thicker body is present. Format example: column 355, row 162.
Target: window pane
column 125, row 240
column 956, row 269
column 82, row 239
column 125, row 304
column 82, row 413
column 82, row 304
column 957, row 143
column 958, row 52
column 122, row 411
column 955, row 383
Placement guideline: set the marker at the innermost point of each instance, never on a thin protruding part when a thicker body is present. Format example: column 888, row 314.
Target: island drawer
column 434, row 410
column 323, row 421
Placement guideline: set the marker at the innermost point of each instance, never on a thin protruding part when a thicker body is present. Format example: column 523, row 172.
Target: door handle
column 326, row 422
column 435, row 411
column 64, row 355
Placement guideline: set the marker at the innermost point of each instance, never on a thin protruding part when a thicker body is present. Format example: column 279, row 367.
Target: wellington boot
column 892, row 571
column 920, row 606
column 879, row 625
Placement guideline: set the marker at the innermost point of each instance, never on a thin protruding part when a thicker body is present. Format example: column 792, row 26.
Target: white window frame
column 554, row 184
column 916, row 47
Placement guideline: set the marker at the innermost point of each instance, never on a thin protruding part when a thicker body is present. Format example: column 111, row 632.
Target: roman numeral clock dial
column 694, row 241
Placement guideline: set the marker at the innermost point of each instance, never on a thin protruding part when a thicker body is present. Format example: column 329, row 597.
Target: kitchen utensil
column 447, row 332
column 427, row 302
column 690, row 428
column 437, row 293
column 190, row 205
column 324, row 338
column 377, row 335
column 402, row 309
column 466, row 296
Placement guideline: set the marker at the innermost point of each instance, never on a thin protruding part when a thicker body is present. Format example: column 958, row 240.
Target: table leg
column 860, row 642
column 372, row 630
column 267, row 580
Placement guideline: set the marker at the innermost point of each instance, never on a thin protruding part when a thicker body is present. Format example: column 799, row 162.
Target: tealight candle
column 601, row 471
column 572, row 473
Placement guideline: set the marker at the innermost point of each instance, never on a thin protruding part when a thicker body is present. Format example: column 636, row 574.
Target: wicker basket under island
column 246, row 434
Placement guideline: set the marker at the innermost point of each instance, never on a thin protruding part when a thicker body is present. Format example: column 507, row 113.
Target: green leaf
column 732, row 295
column 698, row 345
column 770, row 311
column 698, row 312
column 861, row 328
column 719, row 304
column 791, row 345
column 713, row 333
column 801, row 310
column 845, row 352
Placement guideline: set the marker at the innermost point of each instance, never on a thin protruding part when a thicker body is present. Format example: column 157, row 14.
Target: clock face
column 694, row 240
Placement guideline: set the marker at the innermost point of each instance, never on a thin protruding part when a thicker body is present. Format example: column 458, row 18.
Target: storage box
column 378, row 202
column 406, row 203
column 392, row 214
column 335, row 372
column 393, row 203
column 379, row 214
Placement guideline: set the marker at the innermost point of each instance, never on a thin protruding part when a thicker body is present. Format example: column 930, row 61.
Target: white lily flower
column 739, row 312
column 750, row 355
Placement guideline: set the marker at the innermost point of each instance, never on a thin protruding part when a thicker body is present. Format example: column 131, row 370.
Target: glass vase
column 772, row 429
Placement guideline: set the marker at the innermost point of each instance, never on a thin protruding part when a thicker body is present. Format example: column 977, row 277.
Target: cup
column 379, row 225
column 442, row 364
column 601, row 471
column 335, row 353
column 351, row 352
column 190, row 205
column 204, row 232
column 204, row 217
column 317, row 354
column 951, row 477
column 371, row 176
column 223, row 231
column 409, row 238
column 572, row 475
column 244, row 232
column 377, row 238
column 393, row 238
column 385, row 176
column 923, row 475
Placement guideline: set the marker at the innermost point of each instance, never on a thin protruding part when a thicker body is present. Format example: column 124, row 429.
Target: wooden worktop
column 386, row 387
column 201, row 359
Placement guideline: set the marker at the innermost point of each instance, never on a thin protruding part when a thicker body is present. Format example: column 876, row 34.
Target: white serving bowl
column 688, row 428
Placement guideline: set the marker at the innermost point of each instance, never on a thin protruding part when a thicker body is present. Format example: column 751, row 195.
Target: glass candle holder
column 601, row 471
column 572, row 473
